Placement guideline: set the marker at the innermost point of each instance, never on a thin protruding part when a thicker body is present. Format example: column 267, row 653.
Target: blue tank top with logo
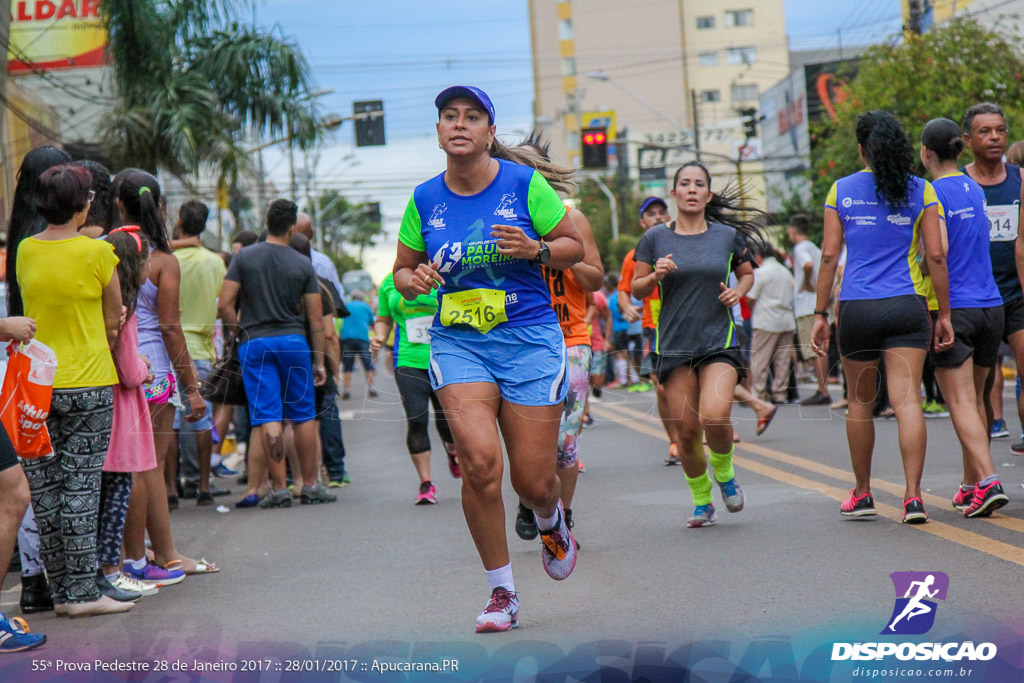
column 971, row 284
column 1003, row 211
column 484, row 289
column 881, row 240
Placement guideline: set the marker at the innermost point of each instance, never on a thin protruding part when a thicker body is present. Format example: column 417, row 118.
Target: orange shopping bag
column 25, row 398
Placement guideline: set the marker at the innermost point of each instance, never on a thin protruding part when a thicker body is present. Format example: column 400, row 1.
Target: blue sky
column 406, row 51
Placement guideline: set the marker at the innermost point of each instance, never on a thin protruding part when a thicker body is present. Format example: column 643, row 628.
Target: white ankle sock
column 113, row 577
column 138, row 564
column 546, row 523
column 502, row 576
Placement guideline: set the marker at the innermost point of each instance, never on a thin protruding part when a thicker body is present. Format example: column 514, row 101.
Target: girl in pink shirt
column 131, row 439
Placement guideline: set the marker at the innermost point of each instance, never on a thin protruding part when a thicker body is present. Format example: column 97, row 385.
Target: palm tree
column 190, row 83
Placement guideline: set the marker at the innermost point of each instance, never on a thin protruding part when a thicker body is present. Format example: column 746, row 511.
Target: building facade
column 655, row 72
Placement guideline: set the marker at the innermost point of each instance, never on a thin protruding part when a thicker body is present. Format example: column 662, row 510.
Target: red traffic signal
column 595, row 147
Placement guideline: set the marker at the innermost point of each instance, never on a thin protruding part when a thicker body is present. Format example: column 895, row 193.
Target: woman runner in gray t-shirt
column 699, row 358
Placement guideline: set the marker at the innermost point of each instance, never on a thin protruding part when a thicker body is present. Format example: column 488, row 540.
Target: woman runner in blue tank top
column 882, row 213
column 977, row 315
column 473, row 233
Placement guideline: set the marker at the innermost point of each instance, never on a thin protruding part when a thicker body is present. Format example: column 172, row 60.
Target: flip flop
column 203, row 566
column 762, row 424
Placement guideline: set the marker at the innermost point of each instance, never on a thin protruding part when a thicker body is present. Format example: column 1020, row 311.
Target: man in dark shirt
column 279, row 295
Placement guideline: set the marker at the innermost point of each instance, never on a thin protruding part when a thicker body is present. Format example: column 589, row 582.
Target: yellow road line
column 969, row 539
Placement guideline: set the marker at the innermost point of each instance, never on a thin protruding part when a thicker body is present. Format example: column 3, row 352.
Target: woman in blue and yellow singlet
column 478, row 233
column 883, row 213
column 976, row 313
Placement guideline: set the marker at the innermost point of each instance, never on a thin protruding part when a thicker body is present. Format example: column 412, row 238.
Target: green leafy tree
column 344, row 224
column 939, row 74
column 191, row 82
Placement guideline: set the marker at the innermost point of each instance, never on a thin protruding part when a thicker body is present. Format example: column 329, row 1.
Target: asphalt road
column 375, row 576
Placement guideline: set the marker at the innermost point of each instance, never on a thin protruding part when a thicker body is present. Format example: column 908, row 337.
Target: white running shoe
column 501, row 613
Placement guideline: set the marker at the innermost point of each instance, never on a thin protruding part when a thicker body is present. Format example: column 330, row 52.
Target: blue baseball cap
column 647, row 203
column 468, row 91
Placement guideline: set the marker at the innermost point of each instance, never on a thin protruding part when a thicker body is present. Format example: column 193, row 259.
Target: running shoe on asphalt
column 987, row 500
column 703, row 515
column 315, row 495
column 250, row 501
column 154, row 575
column 501, row 613
column 933, row 409
column 732, row 495
column 673, row 455
column 962, row 498
column 427, row 494
column 453, row 462
column 999, row 430
column 819, row 399
column 858, row 506
column 1018, row 448
column 127, row 583
column 580, row 466
column 913, row 512
column 526, row 523
column 276, row 499
column 569, row 523
column 558, row 551
column 14, row 635
column 222, row 470
column 589, row 422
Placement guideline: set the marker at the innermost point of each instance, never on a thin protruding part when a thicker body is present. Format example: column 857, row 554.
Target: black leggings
column 417, row 395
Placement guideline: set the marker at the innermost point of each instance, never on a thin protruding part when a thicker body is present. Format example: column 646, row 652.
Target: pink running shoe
column 501, row 613
column 427, row 494
column 858, row 506
column 453, row 462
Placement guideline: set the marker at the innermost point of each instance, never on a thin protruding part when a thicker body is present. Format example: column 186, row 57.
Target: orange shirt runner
column 570, row 304
column 652, row 304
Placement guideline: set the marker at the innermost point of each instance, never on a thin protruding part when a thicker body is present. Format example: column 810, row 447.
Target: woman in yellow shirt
column 69, row 286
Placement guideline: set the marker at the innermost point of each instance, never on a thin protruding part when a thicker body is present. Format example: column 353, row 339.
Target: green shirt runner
column 412, row 323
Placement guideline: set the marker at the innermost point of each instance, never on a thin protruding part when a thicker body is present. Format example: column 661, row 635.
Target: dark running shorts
column 667, row 364
column 976, row 335
column 1013, row 318
column 869, row 326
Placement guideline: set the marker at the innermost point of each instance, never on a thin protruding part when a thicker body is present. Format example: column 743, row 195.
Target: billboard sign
column 55, row 34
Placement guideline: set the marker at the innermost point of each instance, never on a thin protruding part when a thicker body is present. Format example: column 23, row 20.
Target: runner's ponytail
column 140, row 194
column 889, row 154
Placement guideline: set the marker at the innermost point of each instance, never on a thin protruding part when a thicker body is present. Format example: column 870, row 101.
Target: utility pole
column 696, row 123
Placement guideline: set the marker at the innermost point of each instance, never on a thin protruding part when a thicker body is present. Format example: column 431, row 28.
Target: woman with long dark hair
column 103, row 207
column 883, row 213
column 162, row 341
column 976, row 311
column 700, row 364
column 25, row 219
column 477, row 233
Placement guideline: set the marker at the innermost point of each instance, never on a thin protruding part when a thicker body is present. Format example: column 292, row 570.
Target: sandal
column 762, row 424
column 203, row 566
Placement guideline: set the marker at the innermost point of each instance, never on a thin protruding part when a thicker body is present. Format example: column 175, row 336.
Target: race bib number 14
column 1002, row 222
column 481, row 309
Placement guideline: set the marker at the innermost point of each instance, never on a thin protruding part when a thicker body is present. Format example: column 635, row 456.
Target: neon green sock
column 722, row 465
column 700, row 489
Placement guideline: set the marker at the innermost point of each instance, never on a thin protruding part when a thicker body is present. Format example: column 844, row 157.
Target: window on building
column 568, row 66
column 705, row 22
column 565, row 29
column 742, row 55
column 708, row 59
column 743, row 93
column 742, row 17
column 711, row 96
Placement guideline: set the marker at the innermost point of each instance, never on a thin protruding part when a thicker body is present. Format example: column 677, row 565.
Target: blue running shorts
column 527, row 363
column 278, row 377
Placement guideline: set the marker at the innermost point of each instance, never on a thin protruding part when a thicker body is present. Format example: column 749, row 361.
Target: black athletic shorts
column 8, row 458
column 1013, row 318
column 734, row 357
column 976, row 335
column 869, row 326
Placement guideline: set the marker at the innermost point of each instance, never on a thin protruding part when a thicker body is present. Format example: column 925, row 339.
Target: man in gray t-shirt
column 278, row 291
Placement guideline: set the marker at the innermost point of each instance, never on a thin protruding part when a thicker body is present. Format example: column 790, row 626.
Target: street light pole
column 602, row 76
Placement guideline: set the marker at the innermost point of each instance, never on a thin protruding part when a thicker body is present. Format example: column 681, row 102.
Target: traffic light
column 594, row 145
column 369, row 118
column 749, row 122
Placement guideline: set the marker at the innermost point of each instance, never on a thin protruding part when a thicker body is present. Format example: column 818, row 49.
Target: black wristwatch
column 544, row 255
